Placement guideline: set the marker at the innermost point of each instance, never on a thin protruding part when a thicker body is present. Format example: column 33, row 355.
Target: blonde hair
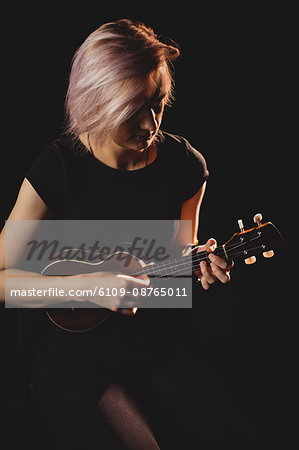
column 108, row 76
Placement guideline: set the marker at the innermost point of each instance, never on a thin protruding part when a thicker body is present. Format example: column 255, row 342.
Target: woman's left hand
column 219, row 268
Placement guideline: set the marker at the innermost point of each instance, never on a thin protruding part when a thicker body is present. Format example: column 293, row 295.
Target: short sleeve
column 194, row 171
column 45, row 176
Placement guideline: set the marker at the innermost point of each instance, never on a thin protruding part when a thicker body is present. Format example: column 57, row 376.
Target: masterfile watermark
column 66, row 264
column 146, row 249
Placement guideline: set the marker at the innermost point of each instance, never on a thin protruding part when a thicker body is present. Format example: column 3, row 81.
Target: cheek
column 124, row 137
column 122, row 133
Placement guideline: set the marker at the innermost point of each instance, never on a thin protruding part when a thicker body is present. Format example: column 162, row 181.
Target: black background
column 236, row 101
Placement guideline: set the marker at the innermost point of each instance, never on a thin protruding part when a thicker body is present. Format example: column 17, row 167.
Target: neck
column 117, row 157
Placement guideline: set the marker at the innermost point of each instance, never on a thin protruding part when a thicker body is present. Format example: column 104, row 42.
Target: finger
column 207, row 275
column 125, row 311
column 205, row 284
column 199, row 248
column 198, row 273
column 128, row 311
column 221, row 274
column 144, row 280
column 221, row 262
column 210, row 245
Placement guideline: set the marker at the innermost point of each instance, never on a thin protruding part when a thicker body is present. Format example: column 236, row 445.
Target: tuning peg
column 250, row 260
column 268, row 254
column 240, row 223
column 258, row 218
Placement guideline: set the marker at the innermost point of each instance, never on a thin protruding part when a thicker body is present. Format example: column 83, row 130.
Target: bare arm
column 218, row 268
column 29, row 206
column 190, row 211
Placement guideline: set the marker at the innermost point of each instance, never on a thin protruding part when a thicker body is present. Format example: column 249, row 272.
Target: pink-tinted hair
column 108, row 75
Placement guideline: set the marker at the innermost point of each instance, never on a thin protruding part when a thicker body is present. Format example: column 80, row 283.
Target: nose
column 148, row 120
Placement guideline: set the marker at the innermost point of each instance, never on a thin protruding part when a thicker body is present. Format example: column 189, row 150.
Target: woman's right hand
column 113, row 290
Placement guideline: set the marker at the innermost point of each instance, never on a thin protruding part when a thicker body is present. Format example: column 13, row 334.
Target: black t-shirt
column 77, row 186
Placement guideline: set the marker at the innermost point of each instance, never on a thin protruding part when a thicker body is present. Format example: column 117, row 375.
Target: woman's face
column 139, row 131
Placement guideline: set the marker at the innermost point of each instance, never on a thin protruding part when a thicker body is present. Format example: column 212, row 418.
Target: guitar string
column 174, row 265
column 186, row 264
column 195, row 267
column 181, row 261
column 192, row 261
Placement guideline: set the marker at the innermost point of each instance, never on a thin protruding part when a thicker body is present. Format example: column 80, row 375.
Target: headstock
column 262, row 238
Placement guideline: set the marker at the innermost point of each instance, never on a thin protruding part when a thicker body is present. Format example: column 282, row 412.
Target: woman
column 113, row 386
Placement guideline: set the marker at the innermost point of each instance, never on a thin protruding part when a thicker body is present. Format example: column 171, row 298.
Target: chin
column 143, row 145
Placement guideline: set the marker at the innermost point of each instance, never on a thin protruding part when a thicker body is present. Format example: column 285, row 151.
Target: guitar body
column 77, row 320
column 86, row 319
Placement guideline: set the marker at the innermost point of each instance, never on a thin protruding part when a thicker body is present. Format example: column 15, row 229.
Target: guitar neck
column 243, row 245
column 182, row 266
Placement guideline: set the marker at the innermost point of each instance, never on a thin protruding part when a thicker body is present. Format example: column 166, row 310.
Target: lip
column 143, row 137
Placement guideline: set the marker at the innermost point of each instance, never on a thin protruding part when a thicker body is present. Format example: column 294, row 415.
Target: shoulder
column 187, row 164
column 57, row 155
column 179, row 147
column 53, row 169
column 65, row 148
column 170, row 139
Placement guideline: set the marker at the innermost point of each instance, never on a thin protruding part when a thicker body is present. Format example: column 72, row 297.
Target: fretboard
column 183, row 266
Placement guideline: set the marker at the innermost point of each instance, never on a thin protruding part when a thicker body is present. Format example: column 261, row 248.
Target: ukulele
column 246, row 244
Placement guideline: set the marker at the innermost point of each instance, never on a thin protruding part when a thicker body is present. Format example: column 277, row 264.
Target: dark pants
column 179, row 406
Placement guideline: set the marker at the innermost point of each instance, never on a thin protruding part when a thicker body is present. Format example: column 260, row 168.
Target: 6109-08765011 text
column 99, row 291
